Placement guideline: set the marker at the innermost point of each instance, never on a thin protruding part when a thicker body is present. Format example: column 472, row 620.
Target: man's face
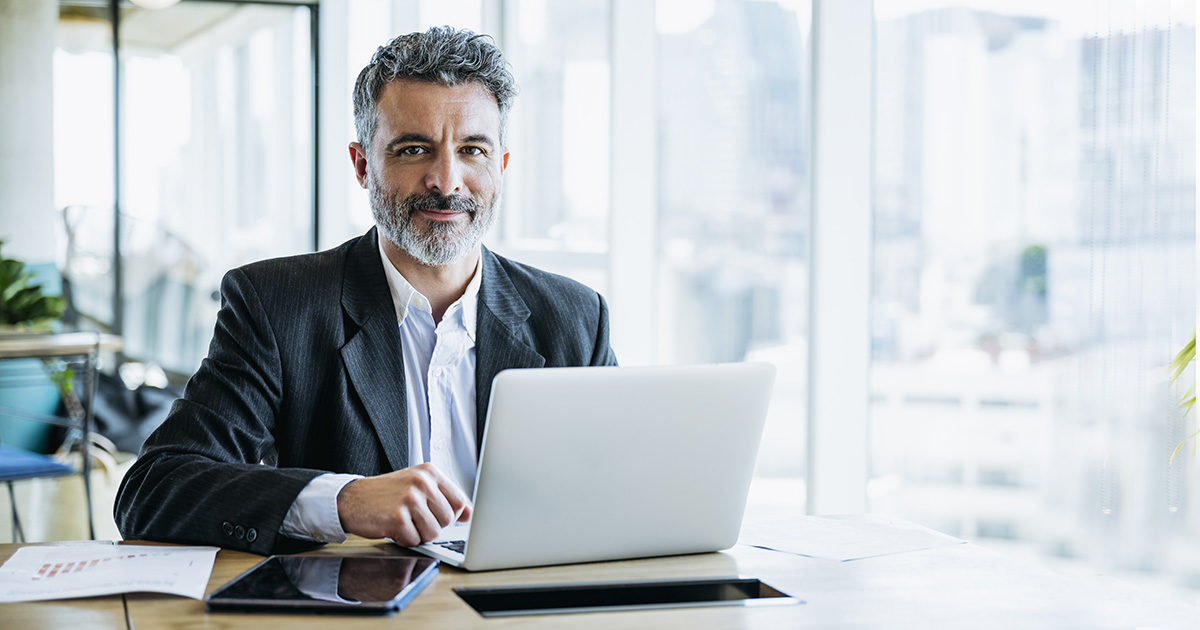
column 434, row 168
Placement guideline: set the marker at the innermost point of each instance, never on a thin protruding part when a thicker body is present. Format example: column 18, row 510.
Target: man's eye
column 472, row 150
column 412, row 150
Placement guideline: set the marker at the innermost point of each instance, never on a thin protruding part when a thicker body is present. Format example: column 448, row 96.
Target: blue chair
column 16, row 464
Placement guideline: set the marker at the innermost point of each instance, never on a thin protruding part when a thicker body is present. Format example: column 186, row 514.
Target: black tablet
column 330, row 584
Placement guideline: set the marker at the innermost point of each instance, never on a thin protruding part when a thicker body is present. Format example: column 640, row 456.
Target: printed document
column 840, row 538
column 68, row 571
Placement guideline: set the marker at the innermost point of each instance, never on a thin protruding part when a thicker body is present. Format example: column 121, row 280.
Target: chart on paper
column 49, row 570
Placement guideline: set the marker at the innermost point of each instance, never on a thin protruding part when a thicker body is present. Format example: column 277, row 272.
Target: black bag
column 128, row 417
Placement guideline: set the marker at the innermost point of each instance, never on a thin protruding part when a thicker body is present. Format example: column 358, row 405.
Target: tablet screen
column 350, row 583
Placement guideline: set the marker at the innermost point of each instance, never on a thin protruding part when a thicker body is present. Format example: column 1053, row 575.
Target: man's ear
column 504, row 165
column 358, row 158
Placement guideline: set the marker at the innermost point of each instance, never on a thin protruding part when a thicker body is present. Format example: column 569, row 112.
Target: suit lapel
column 372, row 352
column 502, row 339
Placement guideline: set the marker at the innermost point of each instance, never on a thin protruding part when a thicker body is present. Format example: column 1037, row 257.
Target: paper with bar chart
column 68, row 571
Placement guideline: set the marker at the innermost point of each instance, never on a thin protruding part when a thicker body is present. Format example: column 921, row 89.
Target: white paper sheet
column 839, row 538
column 68, row 571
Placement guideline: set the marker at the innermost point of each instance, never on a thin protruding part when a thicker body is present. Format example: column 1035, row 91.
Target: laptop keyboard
column 457, row 546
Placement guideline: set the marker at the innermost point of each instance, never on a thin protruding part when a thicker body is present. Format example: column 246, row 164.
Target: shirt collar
column 404, row 296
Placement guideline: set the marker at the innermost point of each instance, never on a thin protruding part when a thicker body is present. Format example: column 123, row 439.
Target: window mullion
column 633, row 214
column 840, row 284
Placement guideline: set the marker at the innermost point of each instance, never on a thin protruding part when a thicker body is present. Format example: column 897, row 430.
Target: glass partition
column 83, row 160
column 217, row 161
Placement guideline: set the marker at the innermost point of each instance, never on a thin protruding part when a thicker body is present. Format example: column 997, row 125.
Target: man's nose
column 445, row 175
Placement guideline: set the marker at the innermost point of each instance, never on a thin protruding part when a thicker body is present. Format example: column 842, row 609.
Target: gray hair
column 443, row 55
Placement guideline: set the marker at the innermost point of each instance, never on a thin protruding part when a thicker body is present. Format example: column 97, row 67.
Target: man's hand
column 409, row 506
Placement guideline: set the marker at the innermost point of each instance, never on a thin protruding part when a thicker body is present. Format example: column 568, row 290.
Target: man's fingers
column 405, row 532
column 460, row 503
column 427, row 526
column 440, row 508
column 454, row 495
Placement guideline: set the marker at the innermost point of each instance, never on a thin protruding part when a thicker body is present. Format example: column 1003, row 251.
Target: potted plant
column 24, row 306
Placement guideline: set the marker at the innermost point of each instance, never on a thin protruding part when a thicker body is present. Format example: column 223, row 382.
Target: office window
column 216, row 161
column 1034, row 274
column 460, row 13
column 733, row 104
column 83, row 159
column 217, row 167
column 555, row 211
column 557, row 184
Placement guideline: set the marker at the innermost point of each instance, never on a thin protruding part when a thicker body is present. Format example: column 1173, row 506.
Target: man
column 345, row 391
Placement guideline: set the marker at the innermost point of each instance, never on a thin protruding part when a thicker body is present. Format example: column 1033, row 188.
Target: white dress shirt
column 439, row 383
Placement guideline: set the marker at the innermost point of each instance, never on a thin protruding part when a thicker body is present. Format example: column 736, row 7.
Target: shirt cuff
column 314, row 515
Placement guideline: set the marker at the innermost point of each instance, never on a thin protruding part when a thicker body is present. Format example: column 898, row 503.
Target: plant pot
column 25, row 386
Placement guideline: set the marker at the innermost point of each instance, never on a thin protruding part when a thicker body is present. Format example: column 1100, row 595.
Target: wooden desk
column 948, row 587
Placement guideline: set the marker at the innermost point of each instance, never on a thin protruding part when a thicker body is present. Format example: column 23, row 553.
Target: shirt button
column 227, row 528
column 239, row 532
column 251, row 534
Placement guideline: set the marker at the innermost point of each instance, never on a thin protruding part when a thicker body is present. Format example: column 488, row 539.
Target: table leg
column 90, row 367
column 18, row 535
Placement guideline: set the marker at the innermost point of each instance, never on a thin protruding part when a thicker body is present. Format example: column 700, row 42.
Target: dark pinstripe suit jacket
column 305, row 375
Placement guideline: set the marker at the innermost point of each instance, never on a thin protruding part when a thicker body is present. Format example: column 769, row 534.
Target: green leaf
column 29, row 305
column 12, row 278
column 22, row 302
column 64, row 379
column 1185, row 441
column 1183, row 358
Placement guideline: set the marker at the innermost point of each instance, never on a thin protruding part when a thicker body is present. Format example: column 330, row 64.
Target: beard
column 432, row 243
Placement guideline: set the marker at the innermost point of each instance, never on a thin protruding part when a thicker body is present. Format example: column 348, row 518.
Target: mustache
column 437, row 201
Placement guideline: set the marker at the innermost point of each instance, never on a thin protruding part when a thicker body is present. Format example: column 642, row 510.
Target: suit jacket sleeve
column 201, row 477
column 602, row 353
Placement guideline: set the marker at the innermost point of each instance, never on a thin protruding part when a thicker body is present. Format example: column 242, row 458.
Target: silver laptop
column 588, row 464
